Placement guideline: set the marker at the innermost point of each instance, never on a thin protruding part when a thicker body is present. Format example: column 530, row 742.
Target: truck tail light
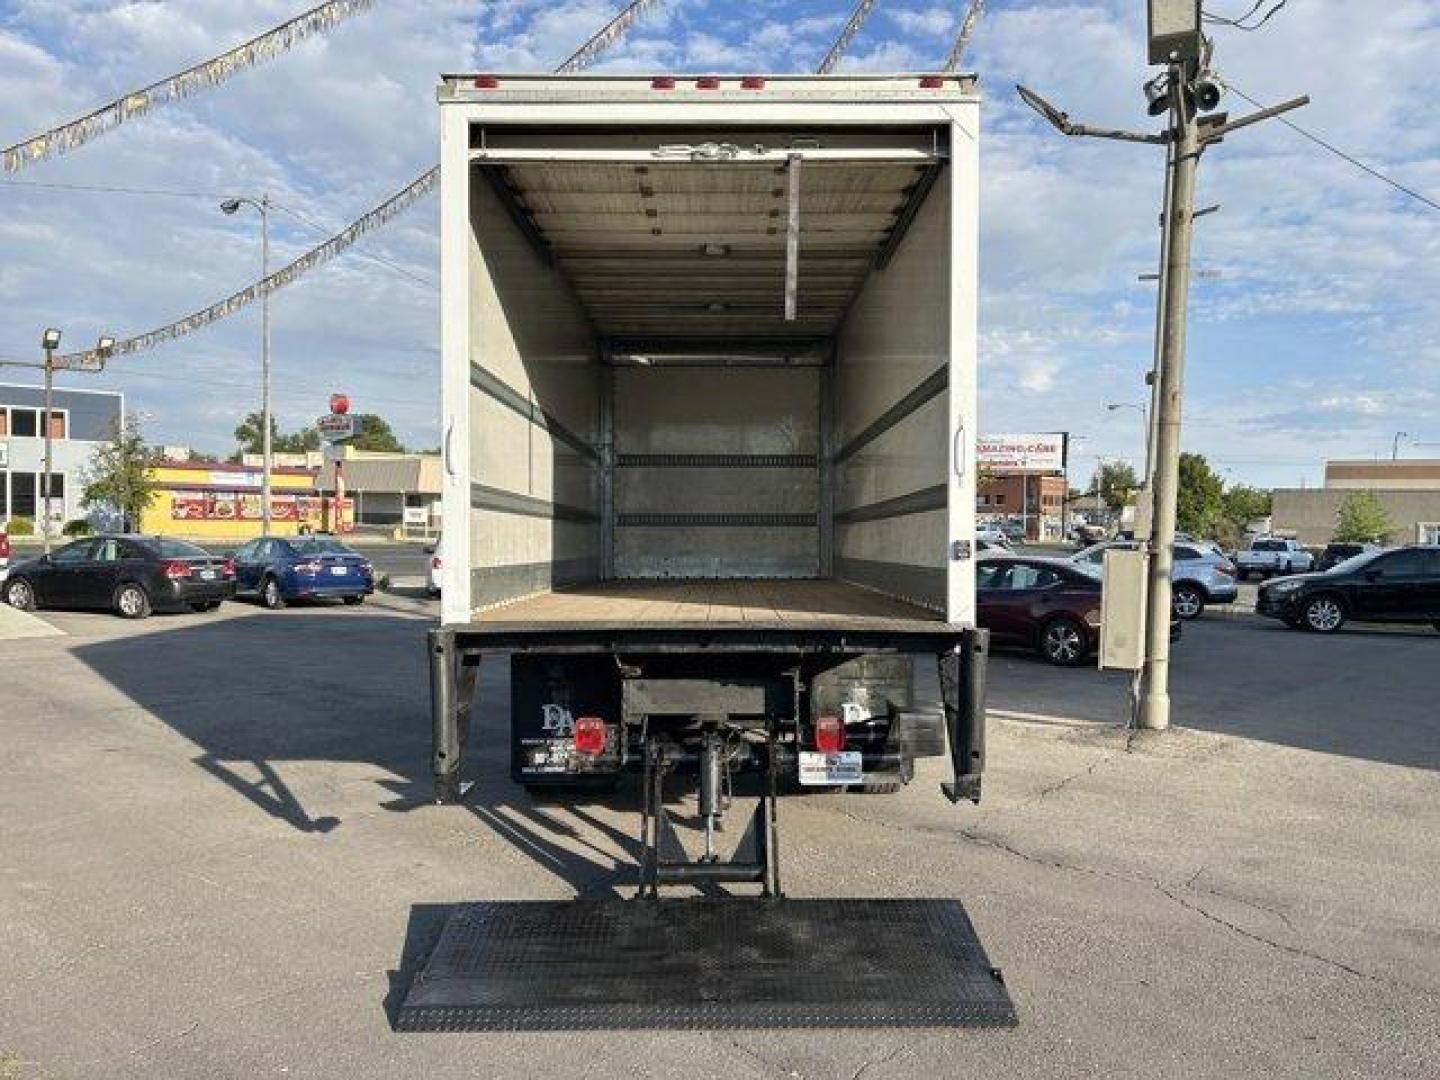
column 752, row 82
column 436, row 563
column 176, row 570
column 589, row 735
column 829, row 735
column 707, row 82
column 932, row 82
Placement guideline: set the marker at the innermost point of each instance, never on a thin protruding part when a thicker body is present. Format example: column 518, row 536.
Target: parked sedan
column 1398, row 585
column 130, row 575
column 278, row 570
column 1199, row 575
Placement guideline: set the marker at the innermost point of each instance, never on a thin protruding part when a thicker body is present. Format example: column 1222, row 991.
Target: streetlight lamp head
column 105, row 345
column 230, row 206
column 50, row 339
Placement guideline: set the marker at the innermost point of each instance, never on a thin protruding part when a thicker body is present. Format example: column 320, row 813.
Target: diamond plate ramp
column 706, row 964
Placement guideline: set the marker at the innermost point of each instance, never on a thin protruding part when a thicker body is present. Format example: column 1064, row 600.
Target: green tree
column 1363, row 519
column 1116, row 482
column 249, row 436
column 118, row 477
column 375, row 434
column 1201, row 497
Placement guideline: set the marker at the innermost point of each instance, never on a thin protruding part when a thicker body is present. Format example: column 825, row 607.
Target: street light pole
column 262, row 207
column 49, row 341
column 1395, row 444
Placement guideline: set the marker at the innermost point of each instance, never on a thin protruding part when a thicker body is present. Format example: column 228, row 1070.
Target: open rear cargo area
column 709, row 364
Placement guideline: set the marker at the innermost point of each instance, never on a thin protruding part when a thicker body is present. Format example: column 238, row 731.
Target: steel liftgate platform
column 706, row 964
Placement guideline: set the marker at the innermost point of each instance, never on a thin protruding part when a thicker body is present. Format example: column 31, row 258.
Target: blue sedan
column 278, row 570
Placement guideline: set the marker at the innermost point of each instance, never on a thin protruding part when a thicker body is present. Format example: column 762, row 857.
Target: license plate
column 826, row 769
column 207, row 575
column 339, row 571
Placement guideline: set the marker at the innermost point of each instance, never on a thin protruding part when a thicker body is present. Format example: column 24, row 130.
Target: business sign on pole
column 1037, row 452
column 337, row 427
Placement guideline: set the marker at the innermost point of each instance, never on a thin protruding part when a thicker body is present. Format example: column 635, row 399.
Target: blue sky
column 1315, row 329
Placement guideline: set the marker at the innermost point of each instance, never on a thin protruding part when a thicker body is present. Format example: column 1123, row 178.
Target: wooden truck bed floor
column 711, row 604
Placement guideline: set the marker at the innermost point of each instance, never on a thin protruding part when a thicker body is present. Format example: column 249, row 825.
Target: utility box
column 1122, row 611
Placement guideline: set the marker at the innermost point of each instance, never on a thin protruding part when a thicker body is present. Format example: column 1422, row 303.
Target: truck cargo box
column 709, row 350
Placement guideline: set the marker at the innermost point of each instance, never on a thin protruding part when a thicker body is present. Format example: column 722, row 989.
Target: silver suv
column 1200, row 575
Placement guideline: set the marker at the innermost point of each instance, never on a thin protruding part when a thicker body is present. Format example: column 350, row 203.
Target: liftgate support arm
column 452, row 696
column 962, row 690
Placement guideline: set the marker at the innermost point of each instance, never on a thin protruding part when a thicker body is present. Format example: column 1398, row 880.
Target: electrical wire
column 1350, row 158
column 113, row 190
column 324, row 230
column 1239, row 24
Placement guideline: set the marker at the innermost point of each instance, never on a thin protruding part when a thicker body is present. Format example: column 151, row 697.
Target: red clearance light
column 436, row 563
column 752, row 82
column 176, row 570
column 708, row 82
column 589, row 736
column 662, row 82
column 487, row 82
column 932, row 82
column 829, row 735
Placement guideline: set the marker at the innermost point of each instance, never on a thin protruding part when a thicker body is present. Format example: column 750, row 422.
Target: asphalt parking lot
column 219, row 861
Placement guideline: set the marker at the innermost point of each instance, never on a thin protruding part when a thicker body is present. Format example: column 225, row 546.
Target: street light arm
column 1063, row 124
column 1219, row 131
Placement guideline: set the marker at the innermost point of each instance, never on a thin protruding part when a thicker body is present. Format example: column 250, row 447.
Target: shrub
column 22, row 526
column 78, row 527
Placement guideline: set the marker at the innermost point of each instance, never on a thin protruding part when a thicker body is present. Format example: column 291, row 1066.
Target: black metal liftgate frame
column 707, row 963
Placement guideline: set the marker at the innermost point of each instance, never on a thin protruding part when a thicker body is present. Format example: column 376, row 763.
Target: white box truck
column 709, row 361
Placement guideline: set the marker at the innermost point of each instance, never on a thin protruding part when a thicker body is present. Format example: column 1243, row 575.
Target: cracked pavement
column 216, row 842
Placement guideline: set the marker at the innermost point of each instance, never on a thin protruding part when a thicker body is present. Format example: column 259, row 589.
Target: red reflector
column 589, row 735
column 175, row 570
column 932, row 82
column 829, row 735
column 708, row 82
column 752, row 82
column 487, row 82
column 662, row 82
column 436, row 564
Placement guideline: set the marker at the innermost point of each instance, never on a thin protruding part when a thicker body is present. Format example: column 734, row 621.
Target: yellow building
column 223, row 502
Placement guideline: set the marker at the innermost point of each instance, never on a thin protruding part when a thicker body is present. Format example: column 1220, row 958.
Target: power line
column 325, row 230
column 112, row 190
column 202, row 76
column 1240, row 23
column 1318, row 141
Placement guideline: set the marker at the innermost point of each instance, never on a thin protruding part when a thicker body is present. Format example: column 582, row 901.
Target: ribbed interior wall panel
column 895, row 338
column 535, row 391
column 674, row 521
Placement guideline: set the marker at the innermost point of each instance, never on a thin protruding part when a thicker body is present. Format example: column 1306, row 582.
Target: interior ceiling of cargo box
column 698, row 249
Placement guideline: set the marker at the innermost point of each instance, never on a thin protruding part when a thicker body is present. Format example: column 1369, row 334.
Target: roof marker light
column 707, row 82
column 752, row 82
column 932, row 82
column 487, row 82
column 663, row 82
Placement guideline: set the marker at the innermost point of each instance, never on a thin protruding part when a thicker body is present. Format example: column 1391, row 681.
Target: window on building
column 22, row 494
column 1000, row 499
column 4, row 422
column 24, row 423
column 59, row 424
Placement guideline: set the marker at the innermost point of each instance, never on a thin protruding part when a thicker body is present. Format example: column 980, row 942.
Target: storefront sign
column 244, row 506
column 1042, row 452
column 337, row 427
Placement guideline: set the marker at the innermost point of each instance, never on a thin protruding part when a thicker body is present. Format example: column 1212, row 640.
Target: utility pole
column 262, row 207
column 1186, row 89
column 92, row 362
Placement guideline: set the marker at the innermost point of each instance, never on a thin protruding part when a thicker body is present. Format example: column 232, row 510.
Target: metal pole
column 1395, row 445
column 266, row 449
column 46, row 476
column 1154, row 712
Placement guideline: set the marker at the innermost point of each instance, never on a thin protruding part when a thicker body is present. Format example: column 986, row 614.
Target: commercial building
column 81, row 420
column 388, row 489
column 207, row 500
column 1023, row 481
column 1409, row 490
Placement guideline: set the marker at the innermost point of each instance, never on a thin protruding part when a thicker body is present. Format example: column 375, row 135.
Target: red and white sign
column 1038, row 452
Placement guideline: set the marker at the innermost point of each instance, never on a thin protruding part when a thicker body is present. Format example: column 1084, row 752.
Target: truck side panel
column 533, row 401
column 891, row 440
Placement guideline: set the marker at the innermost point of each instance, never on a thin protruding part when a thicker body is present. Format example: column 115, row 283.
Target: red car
column 1049, row 605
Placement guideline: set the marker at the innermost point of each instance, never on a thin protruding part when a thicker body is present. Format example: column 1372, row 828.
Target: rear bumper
column 318, row 588
column 1223, row 592
column 178, row 594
